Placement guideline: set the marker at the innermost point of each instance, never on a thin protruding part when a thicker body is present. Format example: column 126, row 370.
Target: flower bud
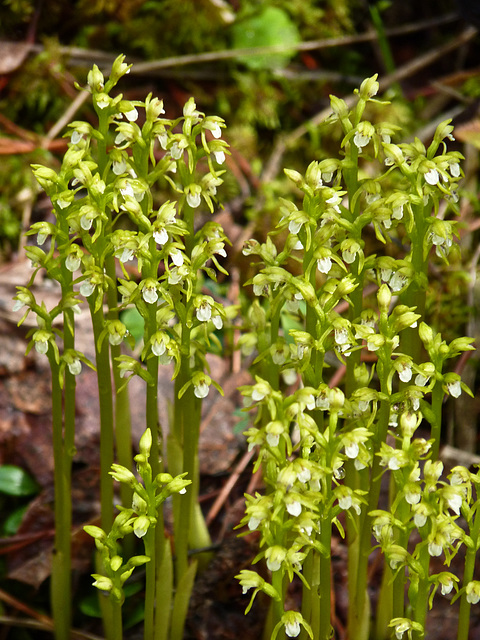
column 95, row 79
column 384, row 297
column 369, row 87
column 145, row 443
column 275, row 556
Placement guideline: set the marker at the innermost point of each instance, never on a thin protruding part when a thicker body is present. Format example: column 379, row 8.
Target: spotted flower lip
column 201, row 389
column 204, row 311
column 432, row 177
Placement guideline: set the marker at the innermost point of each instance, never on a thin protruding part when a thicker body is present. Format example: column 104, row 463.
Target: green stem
column 415, row 295
column 464, row 614
column 106, row 417
column 325, row 579
column 420, row 605
column 359, row 608
column 117, row 624
column 437, row 400
column 187, row 427
column 61, row 561
column 149, row 607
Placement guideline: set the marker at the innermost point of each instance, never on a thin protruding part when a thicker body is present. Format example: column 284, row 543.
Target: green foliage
column 270, row 26
column 15, row 481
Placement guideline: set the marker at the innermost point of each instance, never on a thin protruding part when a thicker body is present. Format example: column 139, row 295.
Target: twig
column 79, row 55
column 225, row 492
column 66, row 117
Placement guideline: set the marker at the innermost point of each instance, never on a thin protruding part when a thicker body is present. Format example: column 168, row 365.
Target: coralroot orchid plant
column 324, row 449
column 324, row 446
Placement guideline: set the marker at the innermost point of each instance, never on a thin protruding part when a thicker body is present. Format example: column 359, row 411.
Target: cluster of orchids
column 118, row 243
column 349, row 386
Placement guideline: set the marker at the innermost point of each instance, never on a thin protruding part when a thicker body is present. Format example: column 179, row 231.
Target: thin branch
column 79, row 55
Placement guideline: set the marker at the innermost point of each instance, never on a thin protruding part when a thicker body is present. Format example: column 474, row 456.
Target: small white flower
column 75, row 367
column 434, row 549
column 360, row 141
column 201, row 390
column 177, row 257
column 420, row 520
column 352, row 450
column 401, row 628
column 126, row 255
column 214, row 128
column 405, row 372
column 432, row 177
column 345, row 502
column 455, row 169
column 294, row 508
column 454, row 388
column 131, row 115
column 324, row 264
column 17, row 305
column 252, row 525
column 119, row 167
column 160, row 236
column 348, row 256
column 473, row 592
column 341, row 336
column 150, row 294
column 397, row 281
column 447, row 586
column 193, row 200
column 73, row 262
column 257, row 395
column 294, row 227
column 304, row 475
column 77, row 136
column 87, row 288
column 174, row 276
column 204, row 311
column 273, row 439
column 219, row 156
column 41, row 346
column 86, row 223
column 141, row 526
column 421, row 381
column 292, row 628
column 103, row 101
column 158, row 347
column 175, row 151
column 397, row 212
column 455, row 503
column 217, row 322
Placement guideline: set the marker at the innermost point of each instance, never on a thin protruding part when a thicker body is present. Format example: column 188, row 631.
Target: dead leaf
column 12, row 55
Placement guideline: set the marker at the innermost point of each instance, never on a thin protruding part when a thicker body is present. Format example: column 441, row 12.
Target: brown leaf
column 12, row 55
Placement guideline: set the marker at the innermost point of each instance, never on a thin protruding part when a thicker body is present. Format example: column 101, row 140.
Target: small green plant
column 324, row 449
column 324, row 445
column 104, row 200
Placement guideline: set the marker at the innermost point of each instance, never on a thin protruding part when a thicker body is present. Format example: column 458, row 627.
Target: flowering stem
column 464, row 614
column 437, row 400
column 325, row 567
column 106, row 417
column 187, row 427
column 61, row 559
column 414, row 296
column 149, row 615
column 420, row 601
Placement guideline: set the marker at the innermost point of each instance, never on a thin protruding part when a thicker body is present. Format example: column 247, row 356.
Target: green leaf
column 13, row 521
column 271, row 26
column 134, row 322
column 14, row 481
